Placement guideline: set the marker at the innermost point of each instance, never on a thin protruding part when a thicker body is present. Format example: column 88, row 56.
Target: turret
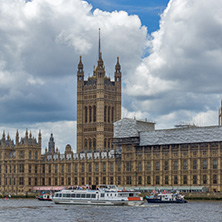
column 117, row 71
column 80, row 73
column 40, row 138
column 3, row 138
column 51, row 144
column 17, row 137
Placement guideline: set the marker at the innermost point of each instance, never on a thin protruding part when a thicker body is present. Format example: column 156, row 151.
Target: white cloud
column 182, row 74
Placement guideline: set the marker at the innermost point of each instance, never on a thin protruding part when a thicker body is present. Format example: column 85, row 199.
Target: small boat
column 45, row 197
column 107, row 195
column 166, row 198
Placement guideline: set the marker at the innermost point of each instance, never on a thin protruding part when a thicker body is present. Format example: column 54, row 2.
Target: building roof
column 181, row 136
column 130, row 127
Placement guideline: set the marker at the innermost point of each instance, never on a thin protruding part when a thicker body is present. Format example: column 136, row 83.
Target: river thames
column 31, row 210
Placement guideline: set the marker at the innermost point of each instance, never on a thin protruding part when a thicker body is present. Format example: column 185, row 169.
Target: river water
column 31, row 210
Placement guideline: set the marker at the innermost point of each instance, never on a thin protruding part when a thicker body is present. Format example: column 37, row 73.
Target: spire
column 99, row 53
column 17, row 137
column 80, row 65
column 118, row 67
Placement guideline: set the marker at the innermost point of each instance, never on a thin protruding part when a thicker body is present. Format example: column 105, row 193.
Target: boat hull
column 165, row 202
column 89, row 202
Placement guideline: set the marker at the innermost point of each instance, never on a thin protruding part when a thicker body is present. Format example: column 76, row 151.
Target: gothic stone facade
column 142, row 157
column 98, row 107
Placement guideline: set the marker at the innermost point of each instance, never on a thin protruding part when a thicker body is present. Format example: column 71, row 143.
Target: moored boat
column 102, row 195
column 44, row 197
column 166, row 198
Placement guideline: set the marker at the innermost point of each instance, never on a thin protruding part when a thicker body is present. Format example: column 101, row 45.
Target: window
column 166, row 180
column 175, row 165
column 36, row 155
column 119, row 166
column 69, row 168
column 97, row 167
column 76, row 180
column 94, row 142
column 139, row 166
column 184, row 165
column 214, row 179
column 204, row 164
column 104, row 180
column 90, row 114
column 30, row 168
column 76, row 168
column 119, row 180
column 86, row 143
column 83, row 167
column 148, row 180
column 194, row 179
column 86, row 113
column 43, row 181
column 175, row 180
column 30, row 155
column 111, row 167
column 90, row 144
column 214, row 164
column 128, row 180
column 49, row 181
column 139, row 180
column 36, row 169
column 6, row 169
column 21, row 181
column 112, row 115
column 69, row 180
column 166, row 165
column 157, row 165
column 56, row 168
column 157, row 180
column 128, row 166
column 204, row 179
column 108, row 114
column 94, row 113
column 62, row 181
column 185, row 179
column 105, row 114
column 49, row 168
column 194, row 164
column 148, row 166
column 90, row 180
column 83, row 180
column 56, row 181
column 21, row 168
column 62, row 168
column 21, row 154
column 43, row 168
column 111, row 180
column 104, row 167
column 90, row 167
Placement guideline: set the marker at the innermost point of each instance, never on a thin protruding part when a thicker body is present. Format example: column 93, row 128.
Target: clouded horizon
column 170, row 76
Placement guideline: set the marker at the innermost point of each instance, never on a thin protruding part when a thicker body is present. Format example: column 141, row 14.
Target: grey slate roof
column 181, row 136
column 130, row 127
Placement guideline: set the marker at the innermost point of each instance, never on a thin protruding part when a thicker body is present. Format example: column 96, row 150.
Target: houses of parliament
column 111, row 150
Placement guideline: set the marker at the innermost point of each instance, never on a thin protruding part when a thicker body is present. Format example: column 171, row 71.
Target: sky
column 170, row 55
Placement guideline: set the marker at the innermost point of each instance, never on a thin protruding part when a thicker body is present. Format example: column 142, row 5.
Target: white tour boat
column 102, row 195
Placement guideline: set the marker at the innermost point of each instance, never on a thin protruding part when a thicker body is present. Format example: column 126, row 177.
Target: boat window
column 64, row 195
column 60, row 195
column 73, row 195
column 68, row 195
column 102, row 195
column 110, row 194
column 83, row 195
column 87, row 195
column 93, row 195
column 77, row 195
column 56, row 195
column 131, row 195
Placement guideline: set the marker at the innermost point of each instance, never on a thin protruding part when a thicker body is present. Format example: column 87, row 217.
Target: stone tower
column 98, row 106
